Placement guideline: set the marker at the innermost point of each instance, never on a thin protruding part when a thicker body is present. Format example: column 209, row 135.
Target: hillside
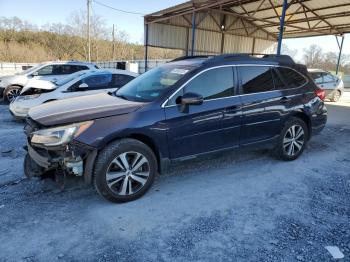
column 22, row 42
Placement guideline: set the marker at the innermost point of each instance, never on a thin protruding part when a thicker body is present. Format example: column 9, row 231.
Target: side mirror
column 189, row 99
column 35, row 73
column 83, row 86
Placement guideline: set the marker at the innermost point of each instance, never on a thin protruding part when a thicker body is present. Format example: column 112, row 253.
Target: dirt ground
column 230, row 207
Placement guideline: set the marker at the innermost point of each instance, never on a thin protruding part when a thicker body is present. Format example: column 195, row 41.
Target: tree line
column 21, row 41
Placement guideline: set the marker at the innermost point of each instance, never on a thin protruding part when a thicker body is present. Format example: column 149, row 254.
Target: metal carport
column 243, row 26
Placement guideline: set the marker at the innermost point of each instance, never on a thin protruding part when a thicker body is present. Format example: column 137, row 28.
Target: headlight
column 59, row 135
column 21, row 98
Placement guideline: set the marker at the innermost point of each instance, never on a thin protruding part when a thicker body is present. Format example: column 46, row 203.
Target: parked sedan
column 332, row 84
column 78, row 84
column 11, row 86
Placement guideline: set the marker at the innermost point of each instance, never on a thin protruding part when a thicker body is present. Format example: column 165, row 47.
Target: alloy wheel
column 294, row 140
column 128, row 173
column 12, row 94
column 336, row 96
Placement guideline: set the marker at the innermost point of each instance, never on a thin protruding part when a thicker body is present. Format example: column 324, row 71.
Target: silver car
column 333, row 85
column 11, row 86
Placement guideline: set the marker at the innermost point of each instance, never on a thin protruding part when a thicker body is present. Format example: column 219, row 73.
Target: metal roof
column 258, row 19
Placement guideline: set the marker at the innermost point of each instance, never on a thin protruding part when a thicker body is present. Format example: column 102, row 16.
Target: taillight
column 321, row 93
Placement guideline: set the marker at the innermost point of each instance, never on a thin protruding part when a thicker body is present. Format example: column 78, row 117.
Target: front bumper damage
column 74, row 158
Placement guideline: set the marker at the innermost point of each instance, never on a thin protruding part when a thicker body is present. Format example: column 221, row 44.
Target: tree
column 288, row 51
column 312, row 56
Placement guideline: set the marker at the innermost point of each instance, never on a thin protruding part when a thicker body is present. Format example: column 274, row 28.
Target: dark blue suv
column 188, row 107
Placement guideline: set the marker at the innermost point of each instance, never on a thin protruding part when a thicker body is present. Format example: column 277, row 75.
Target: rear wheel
column 11, row 93
column 292, row 140
column 336, row 96
column 124, row 170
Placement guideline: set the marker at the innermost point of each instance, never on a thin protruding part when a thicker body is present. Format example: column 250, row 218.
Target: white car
column 78, row 84
column 332, row 84
column 11, row 85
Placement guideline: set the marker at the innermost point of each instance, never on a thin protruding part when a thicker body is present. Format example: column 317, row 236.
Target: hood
column 13, row 79
column 80, row 109
column 38, row 84
column 6, row 78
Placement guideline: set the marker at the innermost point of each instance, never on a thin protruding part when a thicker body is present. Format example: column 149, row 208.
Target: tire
column 288, row 149
column 32, row 169
column 11, row 93
column 119, row 159
column 336, row 96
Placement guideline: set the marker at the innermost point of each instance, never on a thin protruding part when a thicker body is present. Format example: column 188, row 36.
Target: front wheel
column 292, row 140
column 32, row 169
column 124, row 170
column 11, row 93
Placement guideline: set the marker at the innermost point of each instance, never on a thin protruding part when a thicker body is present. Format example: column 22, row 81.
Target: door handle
column 285, row 100
column 232, row 108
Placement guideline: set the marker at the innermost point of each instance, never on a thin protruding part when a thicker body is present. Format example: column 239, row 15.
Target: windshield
column 29, row 70
column 65, row 80
column 150, row 85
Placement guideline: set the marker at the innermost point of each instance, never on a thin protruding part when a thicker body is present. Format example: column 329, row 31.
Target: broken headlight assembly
column 61, row 135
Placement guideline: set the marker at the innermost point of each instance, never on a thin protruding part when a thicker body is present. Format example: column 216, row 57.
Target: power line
column 118, row 10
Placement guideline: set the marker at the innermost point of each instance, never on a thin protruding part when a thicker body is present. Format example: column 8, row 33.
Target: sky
column 40, row 12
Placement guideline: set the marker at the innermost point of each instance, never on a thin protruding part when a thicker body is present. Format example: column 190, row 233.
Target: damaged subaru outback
column 181, row 110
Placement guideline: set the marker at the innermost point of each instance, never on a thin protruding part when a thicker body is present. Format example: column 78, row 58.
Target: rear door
column 258, row 92
column 211, row 126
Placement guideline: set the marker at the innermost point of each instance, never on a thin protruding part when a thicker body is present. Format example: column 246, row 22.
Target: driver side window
column 94, row 82
column 45, row 71
column 212, row 84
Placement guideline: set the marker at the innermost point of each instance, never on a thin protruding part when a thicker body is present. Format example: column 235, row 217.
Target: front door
column 211, row 126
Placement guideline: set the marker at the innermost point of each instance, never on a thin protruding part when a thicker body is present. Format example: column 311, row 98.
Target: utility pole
column 113, row 46
column 88, row 30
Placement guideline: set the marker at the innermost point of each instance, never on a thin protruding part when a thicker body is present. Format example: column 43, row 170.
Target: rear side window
column 328, row 78
column 291, row 77
column 256, row 79
column 212, row 84
column 317, row 77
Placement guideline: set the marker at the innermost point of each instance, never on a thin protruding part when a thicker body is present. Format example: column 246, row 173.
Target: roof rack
column 190, row 57
column 285, row 59
column 253, row 56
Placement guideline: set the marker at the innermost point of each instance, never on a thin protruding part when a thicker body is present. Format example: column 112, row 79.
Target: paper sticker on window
column 179, row 71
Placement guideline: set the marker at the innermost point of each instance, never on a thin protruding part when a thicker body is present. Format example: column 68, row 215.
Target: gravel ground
column 230, row 207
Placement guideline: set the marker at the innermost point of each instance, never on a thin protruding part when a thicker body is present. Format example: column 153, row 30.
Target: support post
column 253, row 47
column 187, row 40
column 223, row 28
column 193, row 32
column 282, row 19
column 146, row 47
column 340, row 51
column 88, row 30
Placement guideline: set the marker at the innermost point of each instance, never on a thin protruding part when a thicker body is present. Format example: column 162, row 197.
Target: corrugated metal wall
column 177, row 33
